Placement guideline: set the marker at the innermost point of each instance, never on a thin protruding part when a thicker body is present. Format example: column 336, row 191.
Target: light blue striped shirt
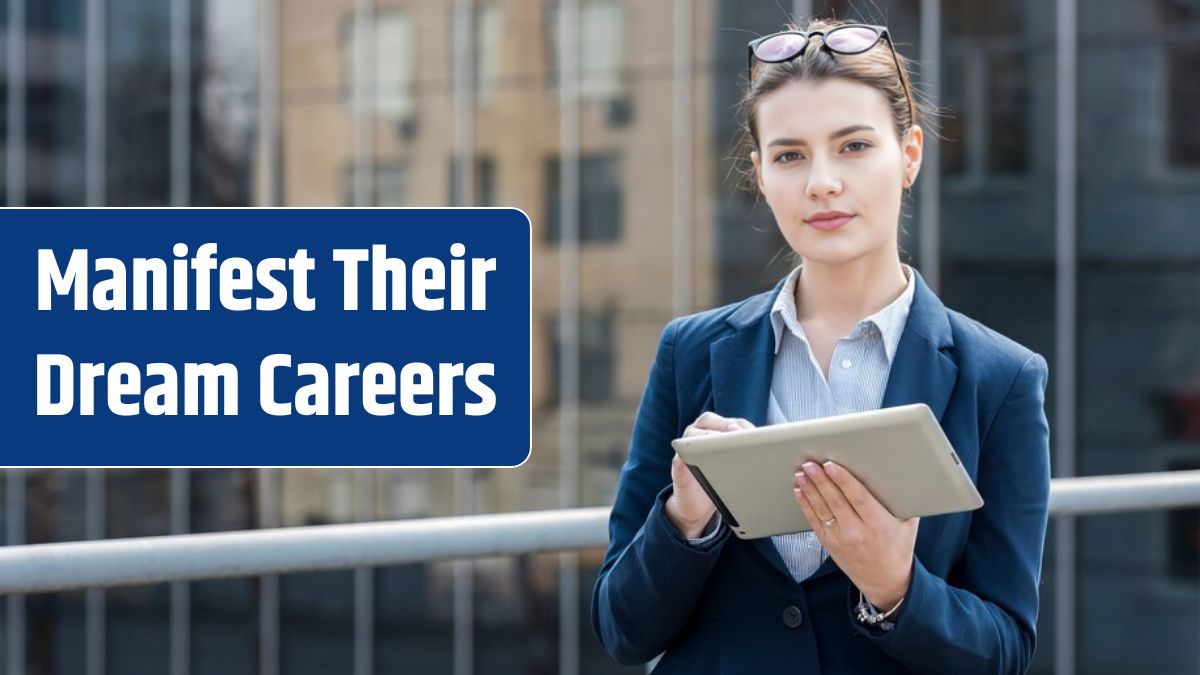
column 858, row 374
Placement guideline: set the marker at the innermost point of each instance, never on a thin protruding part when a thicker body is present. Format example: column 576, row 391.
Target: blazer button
column 792, row 618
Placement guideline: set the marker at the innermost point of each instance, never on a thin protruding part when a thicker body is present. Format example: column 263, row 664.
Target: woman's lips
column 828, row 224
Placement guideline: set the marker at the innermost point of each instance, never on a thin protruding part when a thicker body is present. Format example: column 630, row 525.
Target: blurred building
column 1073, row 234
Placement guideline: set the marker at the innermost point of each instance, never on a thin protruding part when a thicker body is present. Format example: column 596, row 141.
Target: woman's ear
column 914, row 141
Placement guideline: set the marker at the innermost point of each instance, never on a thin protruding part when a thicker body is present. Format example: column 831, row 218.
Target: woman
column 834, row 138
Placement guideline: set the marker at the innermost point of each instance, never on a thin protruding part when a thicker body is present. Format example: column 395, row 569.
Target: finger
column 681, row 475
column 711, row 420
column 677, row 467
column 860, row 498
column 831, row 494
column 814, row 521
column 694, row 430
column 815, row 498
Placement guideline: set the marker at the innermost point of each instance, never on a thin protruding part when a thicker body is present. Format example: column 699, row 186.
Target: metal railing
column 148, row 560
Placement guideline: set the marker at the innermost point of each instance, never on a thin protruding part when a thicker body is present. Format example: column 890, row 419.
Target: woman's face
column 831, row 145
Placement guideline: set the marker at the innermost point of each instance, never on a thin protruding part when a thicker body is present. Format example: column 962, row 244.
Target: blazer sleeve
column 983, row 618
column 651, row 577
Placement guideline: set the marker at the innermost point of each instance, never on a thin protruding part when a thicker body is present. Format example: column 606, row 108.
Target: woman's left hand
column 873, row 547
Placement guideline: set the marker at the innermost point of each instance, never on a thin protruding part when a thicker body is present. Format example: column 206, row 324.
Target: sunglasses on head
column 854, row 38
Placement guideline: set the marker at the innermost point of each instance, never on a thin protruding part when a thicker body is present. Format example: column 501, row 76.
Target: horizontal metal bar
column 148, row 560
column 1130, row 492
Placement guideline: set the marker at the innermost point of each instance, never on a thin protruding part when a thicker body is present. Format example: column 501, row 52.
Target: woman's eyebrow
column 835, row 135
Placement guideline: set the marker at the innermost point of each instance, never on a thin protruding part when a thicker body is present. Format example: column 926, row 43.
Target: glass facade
column 998, row 222
column 1139, row 319
column 621, row 153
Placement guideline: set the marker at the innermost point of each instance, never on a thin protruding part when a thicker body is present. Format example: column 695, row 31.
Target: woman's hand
column 688, row 508
column 873, row 547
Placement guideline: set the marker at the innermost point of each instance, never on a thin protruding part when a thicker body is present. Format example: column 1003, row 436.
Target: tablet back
column 900, row 454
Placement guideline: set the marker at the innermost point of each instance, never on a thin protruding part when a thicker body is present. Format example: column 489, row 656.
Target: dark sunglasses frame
column 881, row 32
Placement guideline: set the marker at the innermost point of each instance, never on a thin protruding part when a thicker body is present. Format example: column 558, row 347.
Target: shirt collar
column 889, row 321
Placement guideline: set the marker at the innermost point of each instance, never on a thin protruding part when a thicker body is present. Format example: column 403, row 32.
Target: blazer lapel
column 741, row 364
column 922, row 370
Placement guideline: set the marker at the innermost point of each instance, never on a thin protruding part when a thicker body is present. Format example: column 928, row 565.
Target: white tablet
column 900, row 454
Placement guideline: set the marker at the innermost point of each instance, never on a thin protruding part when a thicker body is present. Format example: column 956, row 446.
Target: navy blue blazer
column 733, row 608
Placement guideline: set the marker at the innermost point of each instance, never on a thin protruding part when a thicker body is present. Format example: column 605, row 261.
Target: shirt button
column 792, row 618
column 846, row 363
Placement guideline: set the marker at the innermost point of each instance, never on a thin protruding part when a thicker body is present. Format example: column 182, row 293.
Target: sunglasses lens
column 851, row 40
column 780, row 47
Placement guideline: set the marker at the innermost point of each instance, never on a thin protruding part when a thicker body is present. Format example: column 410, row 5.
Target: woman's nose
column 822, row 182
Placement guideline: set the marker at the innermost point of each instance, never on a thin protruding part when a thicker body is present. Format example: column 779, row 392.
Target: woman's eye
column 854, row 143
column 787, row 156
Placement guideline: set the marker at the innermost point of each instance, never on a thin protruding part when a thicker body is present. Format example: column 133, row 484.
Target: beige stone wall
column 518, row 128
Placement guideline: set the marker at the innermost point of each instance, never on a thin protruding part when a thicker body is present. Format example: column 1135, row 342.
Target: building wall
column 384, row 134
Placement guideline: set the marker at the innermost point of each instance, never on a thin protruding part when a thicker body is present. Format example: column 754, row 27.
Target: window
column 388, row 184
column 988, row 126
column 489, row 26
column 600, row 199
column 485, row 183
column 1183, row 99
column 391, row 185
column 1008, row 113
column 55, row 18
column 1180, row 18
column 600, row 49
column 988, row 71
column 596, row 358
column 383, row 87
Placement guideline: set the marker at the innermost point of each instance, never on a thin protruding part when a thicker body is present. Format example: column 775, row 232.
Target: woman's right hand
column 688, row 508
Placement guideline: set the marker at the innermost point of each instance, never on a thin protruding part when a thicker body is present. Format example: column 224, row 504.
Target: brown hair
column 874, row 68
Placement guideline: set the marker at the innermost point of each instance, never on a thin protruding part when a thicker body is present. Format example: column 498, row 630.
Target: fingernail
column 732, row 427
column 801, row 478
column 810, row 467
column 830, row 468
column 797, row 492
